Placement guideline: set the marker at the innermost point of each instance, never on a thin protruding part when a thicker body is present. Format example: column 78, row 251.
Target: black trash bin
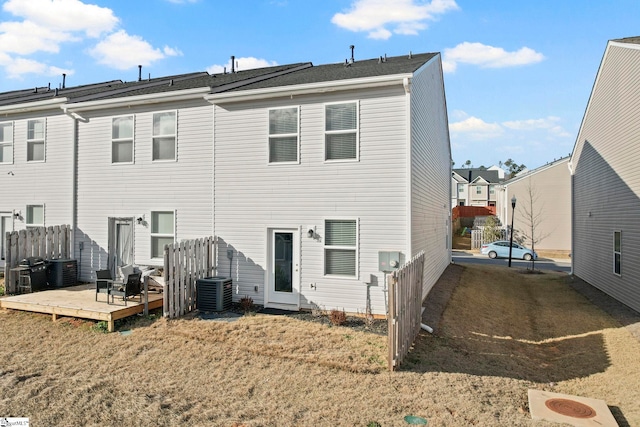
column 37, row 272
column 214, row 293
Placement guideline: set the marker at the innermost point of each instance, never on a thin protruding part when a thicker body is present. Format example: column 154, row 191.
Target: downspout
column 74, row 184
column 572, row 210
column 406, row 83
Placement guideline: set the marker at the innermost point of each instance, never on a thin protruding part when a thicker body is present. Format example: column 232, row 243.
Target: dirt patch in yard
column 498, row 333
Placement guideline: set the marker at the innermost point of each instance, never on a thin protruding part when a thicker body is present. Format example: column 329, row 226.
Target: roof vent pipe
column 352, row 47
column 233, row 62
column 410, row 54
column 56, row 94
column 64, row 80
column 49, row 87
column 139, row 73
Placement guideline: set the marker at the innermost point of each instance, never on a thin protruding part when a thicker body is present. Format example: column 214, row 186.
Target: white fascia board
column 127, row 101
column 33, row 106
column 309, row 88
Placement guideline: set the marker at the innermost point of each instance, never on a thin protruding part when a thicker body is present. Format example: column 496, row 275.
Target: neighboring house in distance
column 545, row 194
column 605, row 179
column 307, row 174
column 475, row 186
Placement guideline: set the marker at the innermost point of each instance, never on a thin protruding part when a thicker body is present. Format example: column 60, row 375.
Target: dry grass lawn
column 501, row 333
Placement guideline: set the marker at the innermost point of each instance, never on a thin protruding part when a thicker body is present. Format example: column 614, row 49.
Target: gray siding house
column 605, row 180
column 307, row 175
column 543, row 198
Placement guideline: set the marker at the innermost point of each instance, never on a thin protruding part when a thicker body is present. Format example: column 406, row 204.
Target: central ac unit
column 214, row 293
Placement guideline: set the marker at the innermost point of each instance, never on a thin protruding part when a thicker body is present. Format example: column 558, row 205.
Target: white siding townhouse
column 605, row 179
column 308, row 175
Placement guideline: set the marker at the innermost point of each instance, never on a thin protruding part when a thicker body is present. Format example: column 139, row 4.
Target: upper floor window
column 478, row 189
column 164, row 136
column 35, row 216
column 340, row 247
column 617, row 252
column 35, row 140
column 341, row 131
column 492, row 189
column 162, row 232
column 283, row 135
column 6, row 142
column 122, row 139
column 460, row 188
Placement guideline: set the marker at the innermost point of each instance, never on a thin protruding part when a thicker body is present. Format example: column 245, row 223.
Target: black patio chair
column 103, row 282
column 133, row 286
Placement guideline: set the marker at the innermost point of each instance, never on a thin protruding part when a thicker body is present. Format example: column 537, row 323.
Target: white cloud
column 475, row 128
column 25, row 38
column 18, row 67
column 246, row 63
column 169, row 51
column 487, row 56
column 65, row 15
column 405, row 16
column 550, row 124
column 123, row 51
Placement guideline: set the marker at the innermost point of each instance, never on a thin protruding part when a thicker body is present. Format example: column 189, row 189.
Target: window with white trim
column 340, row 247
column 283, row 135
column 35, row 140
column 6, row 142
column 35, row 216
column 492, row 189
column 164, row 135
column 617, row 252
column 460, row 188
column 341, row 131
column 122, row 139
column 478, row 189
column 162, row 232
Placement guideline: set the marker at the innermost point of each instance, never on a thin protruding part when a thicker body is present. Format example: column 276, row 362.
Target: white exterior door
column 120, row 243
column 283, row 286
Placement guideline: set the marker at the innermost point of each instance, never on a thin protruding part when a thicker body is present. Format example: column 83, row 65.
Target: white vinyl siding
column 341, row 131
column 35, row 216
column 617, row 252
column 283, row 135
column 36, row 140
column 122, row 139
column 605, row 184
column 164, row 135
column 341, row 248
column 162, row 232
column 6, row 142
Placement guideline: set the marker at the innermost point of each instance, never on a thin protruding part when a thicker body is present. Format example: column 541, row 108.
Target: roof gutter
column 33, row 106
column 128, row 101
column 310, row 88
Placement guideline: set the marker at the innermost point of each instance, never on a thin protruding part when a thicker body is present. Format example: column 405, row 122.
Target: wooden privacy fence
column 184, row 263
column 53, row 242
column 471, row 211
column 479, row 237
column 405, row 308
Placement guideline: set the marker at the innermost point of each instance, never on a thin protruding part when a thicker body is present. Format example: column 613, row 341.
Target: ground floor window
column 340, row 248
column 35, row 216
column 617, row 252
column 162, row 232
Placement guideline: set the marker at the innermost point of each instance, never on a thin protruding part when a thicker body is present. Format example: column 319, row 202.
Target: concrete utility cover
column 573, row 410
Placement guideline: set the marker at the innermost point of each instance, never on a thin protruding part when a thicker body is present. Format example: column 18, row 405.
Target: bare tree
column 531, row 212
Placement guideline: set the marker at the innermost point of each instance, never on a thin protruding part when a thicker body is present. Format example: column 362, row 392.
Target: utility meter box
column 390, row 260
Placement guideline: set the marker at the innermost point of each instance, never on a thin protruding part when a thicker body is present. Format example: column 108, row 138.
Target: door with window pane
column 120, row 243
column 284, row 267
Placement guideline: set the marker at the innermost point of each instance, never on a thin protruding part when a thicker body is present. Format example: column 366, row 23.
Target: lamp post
column 513, row 213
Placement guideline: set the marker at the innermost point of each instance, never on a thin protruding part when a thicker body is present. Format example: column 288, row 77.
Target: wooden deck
column 79, row 301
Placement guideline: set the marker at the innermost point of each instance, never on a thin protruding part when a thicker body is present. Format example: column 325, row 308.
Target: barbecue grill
column 37, row 272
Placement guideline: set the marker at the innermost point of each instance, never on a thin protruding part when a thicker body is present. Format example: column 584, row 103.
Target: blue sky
column 518, row 73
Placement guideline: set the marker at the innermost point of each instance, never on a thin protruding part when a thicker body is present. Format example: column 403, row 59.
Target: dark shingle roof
column 473, row 173
column 342, row 71
column 634, row 40
column 258, row 78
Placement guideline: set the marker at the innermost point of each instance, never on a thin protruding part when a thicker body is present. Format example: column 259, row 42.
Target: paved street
column 462, row 257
